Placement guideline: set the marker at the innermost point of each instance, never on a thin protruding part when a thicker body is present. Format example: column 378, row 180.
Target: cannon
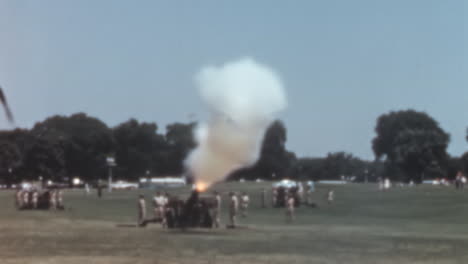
column 195, row 212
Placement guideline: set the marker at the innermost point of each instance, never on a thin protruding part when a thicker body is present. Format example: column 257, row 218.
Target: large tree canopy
column 410, row 143
column 411, row 140
column 180, row 141
column 137, row 148
column 275, row 162
column 10, row 160
column 85, row 140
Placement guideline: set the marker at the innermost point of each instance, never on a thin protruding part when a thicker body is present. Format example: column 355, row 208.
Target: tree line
column 409, row 145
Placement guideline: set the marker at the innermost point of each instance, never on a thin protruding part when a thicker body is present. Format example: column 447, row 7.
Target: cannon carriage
column 195, row 212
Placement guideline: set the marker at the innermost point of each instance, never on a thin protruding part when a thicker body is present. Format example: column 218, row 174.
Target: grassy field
column 424, row 224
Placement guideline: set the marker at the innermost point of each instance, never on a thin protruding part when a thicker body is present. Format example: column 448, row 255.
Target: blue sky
column 344, row 63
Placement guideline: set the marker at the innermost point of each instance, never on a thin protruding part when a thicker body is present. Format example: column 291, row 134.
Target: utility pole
column 110, row 163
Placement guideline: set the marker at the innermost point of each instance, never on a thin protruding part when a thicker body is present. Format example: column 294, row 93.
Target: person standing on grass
column 290, row 208
column 99, row 190
column 165, row 202
column 87, row 190
column 263, row 198
column 274, row 197
column 35, row 199
column 60, row 199
column 233, row 208
column 460, row 180
column 141, row 210
column 244, row 204
column 53, row 199
column 26, row 200
column 158, row 203
column 19, row 199
column 216, row 210
column 330, row 196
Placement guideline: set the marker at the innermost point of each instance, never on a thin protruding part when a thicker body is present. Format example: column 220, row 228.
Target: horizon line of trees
column 409, row 145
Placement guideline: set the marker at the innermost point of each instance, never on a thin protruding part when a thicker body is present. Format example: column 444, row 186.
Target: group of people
column 26, row 199
column 237, row 205
column 34, row 199
column 160, row 202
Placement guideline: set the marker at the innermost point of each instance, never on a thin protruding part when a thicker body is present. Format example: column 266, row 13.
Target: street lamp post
column 110, row 163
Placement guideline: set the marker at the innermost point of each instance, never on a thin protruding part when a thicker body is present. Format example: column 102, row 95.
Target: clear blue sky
column 344, row 63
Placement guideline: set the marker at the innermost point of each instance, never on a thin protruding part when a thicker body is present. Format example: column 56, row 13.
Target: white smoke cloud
column 243, row 97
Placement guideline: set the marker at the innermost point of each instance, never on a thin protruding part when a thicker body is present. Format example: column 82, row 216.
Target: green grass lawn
column 423, row 224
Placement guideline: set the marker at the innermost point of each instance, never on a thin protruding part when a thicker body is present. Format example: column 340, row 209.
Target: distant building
column 162, row 182
column 124, row 185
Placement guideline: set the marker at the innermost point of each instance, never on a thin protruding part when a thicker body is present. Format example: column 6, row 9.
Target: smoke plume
column 243, row 97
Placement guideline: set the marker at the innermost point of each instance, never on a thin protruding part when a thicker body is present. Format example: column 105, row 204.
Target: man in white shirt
column 216, row 210
column 233, row 207
column 141, row 210
column 244, row 204
column 289, row 208
column 35, row 198
column 159, row 202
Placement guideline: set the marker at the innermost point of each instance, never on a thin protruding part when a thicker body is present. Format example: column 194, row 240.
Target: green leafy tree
column 463, row 163
column 341, row 164
column 180, row 141
column 45, row 159
column 310, row 168
column 138, row 149
column 412, row 141
column 84, row 140
column 275, row 161
column 10, row 160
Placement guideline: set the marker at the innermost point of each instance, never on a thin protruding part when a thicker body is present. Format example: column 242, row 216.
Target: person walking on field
column 290, row 208
column 244, row 204
column 217, row 210
column 141, row 210
column 233, row 208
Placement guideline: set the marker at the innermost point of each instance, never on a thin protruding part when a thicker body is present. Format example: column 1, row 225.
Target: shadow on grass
column 125, row 225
